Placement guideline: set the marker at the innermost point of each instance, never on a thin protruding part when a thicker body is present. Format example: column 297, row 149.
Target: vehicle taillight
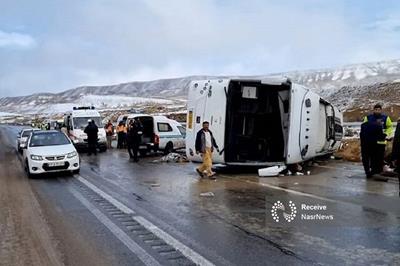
column 156, row 139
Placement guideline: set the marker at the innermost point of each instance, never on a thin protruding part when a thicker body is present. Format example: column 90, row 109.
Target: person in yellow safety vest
column 387, row 127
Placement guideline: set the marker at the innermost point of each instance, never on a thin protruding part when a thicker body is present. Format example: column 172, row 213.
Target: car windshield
column 48, row 139
column 82, row 122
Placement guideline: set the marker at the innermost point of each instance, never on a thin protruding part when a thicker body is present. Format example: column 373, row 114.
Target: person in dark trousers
column 135, row 131
column 121, row 133
column 92, row 132
column 370, row 135
column 387, row 129
column 205, row 144
column 396, row 151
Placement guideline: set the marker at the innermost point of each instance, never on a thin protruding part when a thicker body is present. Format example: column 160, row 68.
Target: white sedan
column 50, row 151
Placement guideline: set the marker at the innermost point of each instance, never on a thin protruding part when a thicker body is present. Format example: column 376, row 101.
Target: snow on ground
column 99, row 101
column 118, row 101
column 7, row 114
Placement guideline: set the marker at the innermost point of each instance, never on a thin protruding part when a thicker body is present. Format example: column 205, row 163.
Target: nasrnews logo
column 307, row 212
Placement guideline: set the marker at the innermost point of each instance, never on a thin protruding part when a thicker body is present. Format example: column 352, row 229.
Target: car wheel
column 169, row 148
column 76, row 172
column 28, row 173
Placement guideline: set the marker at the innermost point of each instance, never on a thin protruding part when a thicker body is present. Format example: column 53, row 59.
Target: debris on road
column 380, row 178
column 271, row 171
column 172, row 158
column 207, row 194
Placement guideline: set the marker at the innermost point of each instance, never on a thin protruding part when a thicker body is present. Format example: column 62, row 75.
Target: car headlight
column 36, row 157
column 72, row 154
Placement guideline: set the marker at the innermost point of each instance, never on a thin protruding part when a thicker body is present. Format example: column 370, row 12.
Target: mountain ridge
column 330, row 83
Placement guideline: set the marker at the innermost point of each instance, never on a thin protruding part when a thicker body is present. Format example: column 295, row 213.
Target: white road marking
column 106, row 196
column 185, row 250
column 286, row 190
column 145, row 257
column 339, row 168
column 296, row 192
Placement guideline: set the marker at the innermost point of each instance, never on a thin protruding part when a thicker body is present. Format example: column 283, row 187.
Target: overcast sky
column 53, row 45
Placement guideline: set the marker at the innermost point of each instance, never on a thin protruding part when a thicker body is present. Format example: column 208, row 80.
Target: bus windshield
column 82, row 122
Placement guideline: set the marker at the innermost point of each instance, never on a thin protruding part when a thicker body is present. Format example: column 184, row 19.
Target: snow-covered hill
column 344, row 86
column 329, row 81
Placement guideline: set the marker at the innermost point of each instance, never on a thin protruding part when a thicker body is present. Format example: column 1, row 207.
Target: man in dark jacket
column 135, row 131
column 205, row 144
column 91, row 131
column 387, row 128
column 370, row 136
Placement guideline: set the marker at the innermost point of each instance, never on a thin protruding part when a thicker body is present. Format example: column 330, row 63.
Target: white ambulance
column 262, row 122
column 76, row 122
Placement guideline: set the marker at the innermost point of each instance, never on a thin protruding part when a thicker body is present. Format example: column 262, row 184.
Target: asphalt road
column 117, row 212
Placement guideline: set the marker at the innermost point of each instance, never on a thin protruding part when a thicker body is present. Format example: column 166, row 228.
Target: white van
column 159, row 132
column 77, row 120
column 262, row 122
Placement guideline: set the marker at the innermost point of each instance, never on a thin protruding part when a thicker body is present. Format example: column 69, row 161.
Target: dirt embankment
column 350, row 150
column 25, row 238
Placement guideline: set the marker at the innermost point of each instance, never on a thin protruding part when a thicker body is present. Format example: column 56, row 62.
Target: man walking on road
column 135, row 130
column 92, row 132
column 205, row 144
column 387, row 129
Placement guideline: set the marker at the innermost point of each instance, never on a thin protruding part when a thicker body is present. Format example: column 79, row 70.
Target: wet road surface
column 117, row 212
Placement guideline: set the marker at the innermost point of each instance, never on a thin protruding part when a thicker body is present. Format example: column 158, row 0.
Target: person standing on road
column 396, row 151
column 121, row 132
column 387, row 129
column 109, row 133
column 371, row 133
column 205, row 144
column 92, row 132
column 64, row 129
column 135, row 130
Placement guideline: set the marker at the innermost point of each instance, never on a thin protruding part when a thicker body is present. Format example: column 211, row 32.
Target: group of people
column 127, row 136
column 376, row 131
column 130, row 137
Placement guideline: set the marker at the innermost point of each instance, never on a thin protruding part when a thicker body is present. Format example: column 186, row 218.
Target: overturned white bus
column 262, row 122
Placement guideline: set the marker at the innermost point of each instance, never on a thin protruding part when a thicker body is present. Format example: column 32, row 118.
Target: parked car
column 50, row 151
column 22, row 137
column 159, row 133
